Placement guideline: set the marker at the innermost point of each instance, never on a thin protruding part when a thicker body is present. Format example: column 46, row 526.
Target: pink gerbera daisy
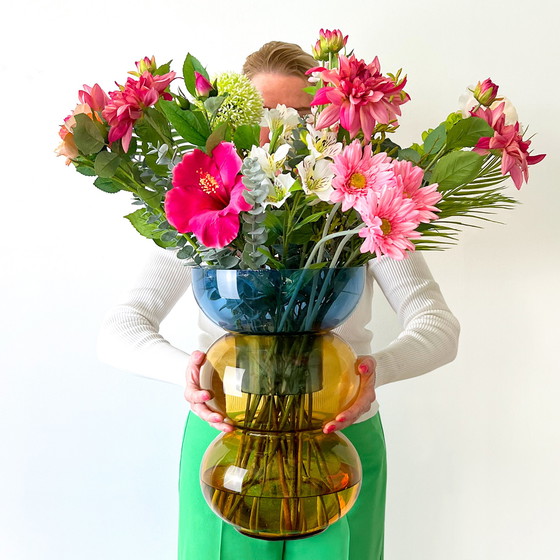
column 409, row 181
column 207, row 195
column 390, row 220
column 357, row 172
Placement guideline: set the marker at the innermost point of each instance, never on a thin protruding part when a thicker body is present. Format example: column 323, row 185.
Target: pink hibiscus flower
column 507, row 140
column 391, row 221
column 409, row 182
column 359, row 97
column 207, row 196
column 356, row 173
column 128, row 103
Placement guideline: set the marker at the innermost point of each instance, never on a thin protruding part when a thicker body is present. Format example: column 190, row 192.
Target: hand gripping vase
column 279, row 375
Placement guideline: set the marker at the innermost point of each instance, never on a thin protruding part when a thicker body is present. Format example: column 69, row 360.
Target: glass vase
column 279, row 375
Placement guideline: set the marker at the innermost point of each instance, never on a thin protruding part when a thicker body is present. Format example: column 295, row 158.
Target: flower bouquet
column 278, row 234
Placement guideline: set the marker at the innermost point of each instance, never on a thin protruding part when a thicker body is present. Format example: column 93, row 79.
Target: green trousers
column 357, row 536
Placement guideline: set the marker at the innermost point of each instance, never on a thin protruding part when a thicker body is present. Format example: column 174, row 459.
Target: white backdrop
column 89, row 455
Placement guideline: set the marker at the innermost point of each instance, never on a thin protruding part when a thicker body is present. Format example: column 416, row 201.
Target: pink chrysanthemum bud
column 318, row 53
column 147, row 65
column 486, row 92
column 332, row 41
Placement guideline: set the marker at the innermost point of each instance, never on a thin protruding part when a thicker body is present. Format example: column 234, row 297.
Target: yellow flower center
column 385, row 226
column 207, row 183
column 357, row 181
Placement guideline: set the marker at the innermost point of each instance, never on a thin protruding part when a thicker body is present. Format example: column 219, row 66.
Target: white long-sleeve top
column 130, row 340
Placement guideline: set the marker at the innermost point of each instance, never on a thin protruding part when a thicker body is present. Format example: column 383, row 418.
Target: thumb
column 366, row 365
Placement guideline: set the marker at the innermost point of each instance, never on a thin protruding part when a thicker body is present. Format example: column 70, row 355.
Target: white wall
column 89, row 455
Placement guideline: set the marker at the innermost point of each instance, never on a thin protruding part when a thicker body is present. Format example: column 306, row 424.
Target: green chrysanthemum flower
column 243, row 104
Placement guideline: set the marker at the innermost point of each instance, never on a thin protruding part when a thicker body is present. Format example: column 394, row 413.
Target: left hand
column 365, row 366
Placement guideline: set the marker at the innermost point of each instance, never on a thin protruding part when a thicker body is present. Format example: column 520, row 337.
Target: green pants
column 357, row 536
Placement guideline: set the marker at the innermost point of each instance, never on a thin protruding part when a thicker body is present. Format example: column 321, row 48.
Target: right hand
column 197, row 396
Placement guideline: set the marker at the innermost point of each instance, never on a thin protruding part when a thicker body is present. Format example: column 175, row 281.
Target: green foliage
column 87, row 136
column 140, row 220
column 467, row 132
column 191, row 65
column 455, row 169
column 106, row 164
column 435, row 140
column 246, row 136
column 187, row 123
column 107, row 185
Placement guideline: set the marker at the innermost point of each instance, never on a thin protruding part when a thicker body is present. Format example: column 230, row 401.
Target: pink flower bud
column 331, row 41
column 202, row 86
column 486, row 92
column 318, row 53
column 147, row 65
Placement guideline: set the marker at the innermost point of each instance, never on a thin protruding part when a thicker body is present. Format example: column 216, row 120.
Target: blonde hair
column 278, row 57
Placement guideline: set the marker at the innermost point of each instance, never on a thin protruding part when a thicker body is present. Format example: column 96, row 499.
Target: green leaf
column 467, row 132
column 87, row 136
column 88, row 171
column 246, row 136
column 212, row 104
column 139, row 220
column 107, row 185
column 106, row 164
column 310, row 219
column 216, row 137
column 153, row 127
column 409, row 154
column 191, row 65
column 163, row 69
column 435, row 141
column 456, row 168
column 186, row 123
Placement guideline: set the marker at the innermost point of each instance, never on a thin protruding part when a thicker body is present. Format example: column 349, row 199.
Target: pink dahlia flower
column 207, row 196
column 357, row 173
column 359, row 96
column 127, row 104
column 94, row 96
column 391, row 221
column 409, row 182
column 508, row 141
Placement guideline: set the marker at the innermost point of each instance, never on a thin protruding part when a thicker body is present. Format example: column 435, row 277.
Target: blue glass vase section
column 278, row 301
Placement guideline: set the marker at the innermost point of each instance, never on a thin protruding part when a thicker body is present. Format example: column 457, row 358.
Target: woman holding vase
column 130, row 340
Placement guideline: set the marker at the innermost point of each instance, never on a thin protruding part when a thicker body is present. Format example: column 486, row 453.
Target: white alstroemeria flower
column 280, row 191
column 322, row 143
column 271, row 164
column 468, row 102
column 316, row 177
column 283, row 118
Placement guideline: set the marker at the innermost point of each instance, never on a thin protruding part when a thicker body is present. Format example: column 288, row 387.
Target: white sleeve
column 129, row 338
column 430, row 332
